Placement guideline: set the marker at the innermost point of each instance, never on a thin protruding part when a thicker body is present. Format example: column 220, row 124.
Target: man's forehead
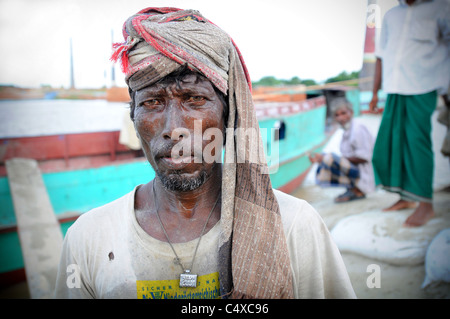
column 187, row 81
column 342, row 110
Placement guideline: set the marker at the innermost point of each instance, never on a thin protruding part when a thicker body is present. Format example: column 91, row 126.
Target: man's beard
column 175, row 181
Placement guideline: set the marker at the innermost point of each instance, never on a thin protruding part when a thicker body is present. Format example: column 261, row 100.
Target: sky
column 310, row 39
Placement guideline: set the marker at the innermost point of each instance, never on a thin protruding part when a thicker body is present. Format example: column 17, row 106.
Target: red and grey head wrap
column 254, row 261
column 154, row 39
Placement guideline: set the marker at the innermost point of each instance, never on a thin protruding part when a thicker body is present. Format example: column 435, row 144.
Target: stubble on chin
column 177, row 181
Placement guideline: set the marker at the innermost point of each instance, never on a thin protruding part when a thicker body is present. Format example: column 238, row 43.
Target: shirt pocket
column 424, row 31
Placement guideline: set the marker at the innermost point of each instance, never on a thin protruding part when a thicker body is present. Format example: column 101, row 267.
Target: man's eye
column 196, row 99
column 151, row 103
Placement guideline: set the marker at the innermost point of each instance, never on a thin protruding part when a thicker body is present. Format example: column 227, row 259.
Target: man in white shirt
column 353, row 169
column 413, row 63
column 201, row 228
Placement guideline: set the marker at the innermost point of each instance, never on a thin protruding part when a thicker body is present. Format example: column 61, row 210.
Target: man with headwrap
column 201, row 228
column 413, row 62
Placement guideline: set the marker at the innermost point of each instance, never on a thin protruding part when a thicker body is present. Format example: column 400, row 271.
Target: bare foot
column 401, row 204
column 423, row 213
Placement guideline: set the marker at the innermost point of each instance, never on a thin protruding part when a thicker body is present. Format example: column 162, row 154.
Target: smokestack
column 72, row 79
column 373, row 22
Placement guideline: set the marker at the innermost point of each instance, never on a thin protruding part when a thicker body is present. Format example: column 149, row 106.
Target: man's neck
column 189, row 204
column 183, row 214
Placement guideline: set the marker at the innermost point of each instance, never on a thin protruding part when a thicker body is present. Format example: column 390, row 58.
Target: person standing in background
column 413, row 65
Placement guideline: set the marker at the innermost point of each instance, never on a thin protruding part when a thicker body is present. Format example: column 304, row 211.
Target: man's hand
column 315, row 158
column 373, row 105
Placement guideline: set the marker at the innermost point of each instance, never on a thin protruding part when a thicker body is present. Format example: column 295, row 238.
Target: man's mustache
column 175, row 149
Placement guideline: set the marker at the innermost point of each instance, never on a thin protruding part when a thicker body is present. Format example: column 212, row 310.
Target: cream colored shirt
column 414, row 46
column 106, row 254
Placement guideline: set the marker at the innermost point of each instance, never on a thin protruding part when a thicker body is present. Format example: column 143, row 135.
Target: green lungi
column 403, row 158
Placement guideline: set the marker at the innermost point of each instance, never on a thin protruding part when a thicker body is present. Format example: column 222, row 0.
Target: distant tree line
column 343, row 76
column 273, row 81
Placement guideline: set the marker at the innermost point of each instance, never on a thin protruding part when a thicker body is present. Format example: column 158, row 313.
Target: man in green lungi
column 414, row 65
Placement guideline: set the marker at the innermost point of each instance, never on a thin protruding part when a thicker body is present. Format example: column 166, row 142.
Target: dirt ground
column 396, row 281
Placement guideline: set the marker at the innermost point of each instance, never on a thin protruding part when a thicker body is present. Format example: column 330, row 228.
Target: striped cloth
column 335, row 170
column 403, row 157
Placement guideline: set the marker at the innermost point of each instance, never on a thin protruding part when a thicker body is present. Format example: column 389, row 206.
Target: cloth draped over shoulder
column 253, row 251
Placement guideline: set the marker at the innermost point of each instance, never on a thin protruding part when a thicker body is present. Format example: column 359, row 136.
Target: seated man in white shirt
column 353, row 169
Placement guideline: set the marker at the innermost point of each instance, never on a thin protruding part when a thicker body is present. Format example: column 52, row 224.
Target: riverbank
column 17, row 93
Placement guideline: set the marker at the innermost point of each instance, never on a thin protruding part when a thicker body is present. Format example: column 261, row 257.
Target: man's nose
column 174, row 125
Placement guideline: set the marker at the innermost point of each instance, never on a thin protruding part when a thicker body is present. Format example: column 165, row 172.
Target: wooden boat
column 83, row 170
column 291, row 130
